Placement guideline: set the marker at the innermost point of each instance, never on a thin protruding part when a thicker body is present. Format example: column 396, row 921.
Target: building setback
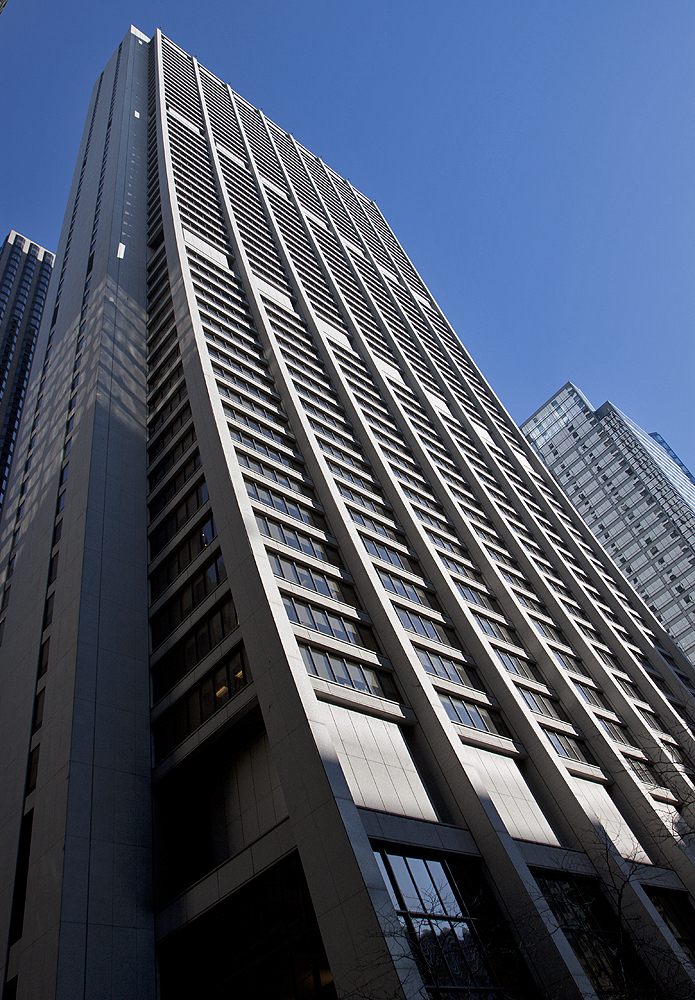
column 635, row 494
column 25, row 271
column 313, row 681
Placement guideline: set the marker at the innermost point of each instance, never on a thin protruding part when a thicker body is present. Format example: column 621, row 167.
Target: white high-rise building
column 634, row 493
column 313, row 682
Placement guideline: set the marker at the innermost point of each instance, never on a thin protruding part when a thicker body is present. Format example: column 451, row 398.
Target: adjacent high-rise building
column 634, row 492
column 25, row 270
column 313, row 682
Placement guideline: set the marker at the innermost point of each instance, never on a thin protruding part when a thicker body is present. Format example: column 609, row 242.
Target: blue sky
column 535, row 157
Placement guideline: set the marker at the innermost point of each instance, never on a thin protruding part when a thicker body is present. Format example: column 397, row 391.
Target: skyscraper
column 313, row 680
column 635, row 494
column 25, row 270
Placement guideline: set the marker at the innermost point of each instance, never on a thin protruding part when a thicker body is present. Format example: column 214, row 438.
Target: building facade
column 635, row 494
column 314, row 683
column 25, row 271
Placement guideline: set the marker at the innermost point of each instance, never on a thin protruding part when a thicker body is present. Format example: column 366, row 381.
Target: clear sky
column 535, row 157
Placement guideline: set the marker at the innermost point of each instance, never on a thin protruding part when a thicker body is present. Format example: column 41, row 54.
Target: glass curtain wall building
column 25, row 271
column 314, row 682
column 634, row 493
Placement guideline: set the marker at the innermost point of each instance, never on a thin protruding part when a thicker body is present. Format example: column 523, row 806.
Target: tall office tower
column 635, row 494
column 25, row 270
column 289, row 588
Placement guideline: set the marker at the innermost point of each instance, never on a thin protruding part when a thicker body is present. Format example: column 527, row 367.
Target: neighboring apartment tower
column 635, row 494
column 25, row 270
column 396, row 718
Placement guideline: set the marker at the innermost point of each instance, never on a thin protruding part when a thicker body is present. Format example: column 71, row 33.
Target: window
column 37, row 719
column 172, row 487
column 541, row 704
column 57, row 532
column 549, row 631
column 194, row 647
column 530, row 603
column 43, row 658
column 329, row 623
column 348, row 673
column 427, row 628
column 518, row 665
column 389, row 555
column 283, row 504
column 677, row 912
column 178, row 517
column 376, row 526
column 497, row 630
column 404, row 588
column 475, row 596
column 184, row 603
column 643, row 770
column 48, row 611
column 452, row 924
column 304, row 576
column 676, row 754
column 451, row 670
column 569, row 747
column 607, row 658
column 457, row 567
column 467, row 713
column 32, row 770
column 570, row 662
column 53, row 568
column 170, row 460
column 617, row 732
column 182, row 557
column 593, row 934
column 275, row 475
column 261, row 447
column 199, row 704
column 593, row 697
column 445, row 543
column 297, row 540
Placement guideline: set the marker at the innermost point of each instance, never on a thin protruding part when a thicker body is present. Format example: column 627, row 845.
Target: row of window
column 199, row 704
column 305, row 576
column 349, row 673
column 182, row 557
column 194, row 647
column 284, row 504
column 328, row 623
